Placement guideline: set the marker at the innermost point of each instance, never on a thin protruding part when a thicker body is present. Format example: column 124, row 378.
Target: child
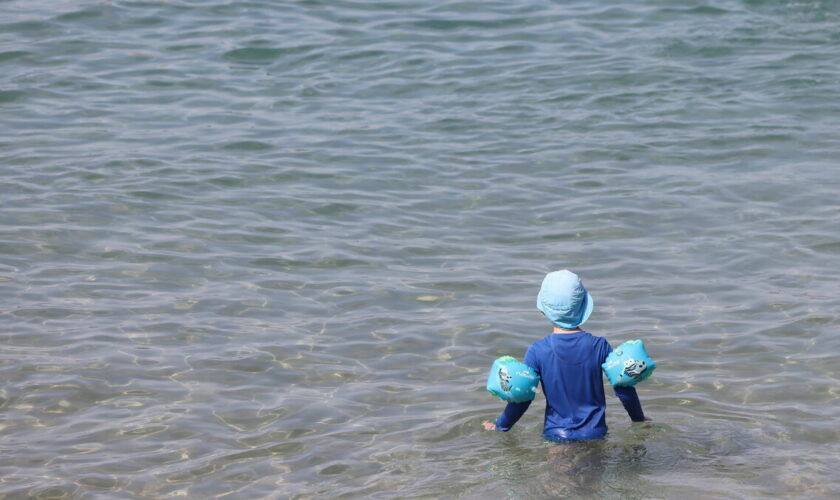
column 569, row 364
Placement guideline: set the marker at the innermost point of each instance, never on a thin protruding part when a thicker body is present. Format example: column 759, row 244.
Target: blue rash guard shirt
column 569, row 365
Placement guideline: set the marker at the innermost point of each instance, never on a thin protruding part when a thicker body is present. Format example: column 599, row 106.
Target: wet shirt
column 569, row 365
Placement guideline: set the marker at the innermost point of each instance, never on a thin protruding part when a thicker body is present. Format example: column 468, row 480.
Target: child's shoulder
column 597, row 339
column 541, row 345
column 594, row 339
column 543, row 341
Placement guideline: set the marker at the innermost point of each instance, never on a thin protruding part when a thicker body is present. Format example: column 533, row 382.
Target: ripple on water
column 250, row 248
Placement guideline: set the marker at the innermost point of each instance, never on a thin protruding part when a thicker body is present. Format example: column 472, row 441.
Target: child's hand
column 488, row 426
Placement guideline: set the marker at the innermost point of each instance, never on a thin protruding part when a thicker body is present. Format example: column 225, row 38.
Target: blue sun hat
column 564, row 300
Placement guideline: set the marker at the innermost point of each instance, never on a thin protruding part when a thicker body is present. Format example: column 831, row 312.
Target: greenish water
column 269, row 249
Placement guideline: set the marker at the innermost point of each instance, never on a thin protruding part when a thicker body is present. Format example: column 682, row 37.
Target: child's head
column 564, row 300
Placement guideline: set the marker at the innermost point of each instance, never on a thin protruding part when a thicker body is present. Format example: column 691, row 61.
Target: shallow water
column 269, row 249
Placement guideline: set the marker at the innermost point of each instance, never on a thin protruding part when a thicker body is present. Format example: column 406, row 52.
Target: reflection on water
column 631, row 464
column 270, row 249
column 577, row 469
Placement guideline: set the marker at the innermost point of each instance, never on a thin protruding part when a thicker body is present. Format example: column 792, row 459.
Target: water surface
column 269, row 249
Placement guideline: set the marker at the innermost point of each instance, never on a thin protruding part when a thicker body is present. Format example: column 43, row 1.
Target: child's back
column 569, row 364
column 570, row 368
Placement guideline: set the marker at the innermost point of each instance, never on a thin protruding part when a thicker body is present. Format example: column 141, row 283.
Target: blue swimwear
column 569, row 365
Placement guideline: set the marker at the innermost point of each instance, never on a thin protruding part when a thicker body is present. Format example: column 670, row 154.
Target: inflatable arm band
column 512, row 381
column 628, row 364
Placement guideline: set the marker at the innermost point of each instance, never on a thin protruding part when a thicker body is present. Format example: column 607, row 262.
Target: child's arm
column 627, row 395
column 631, row 402
column 513, row 412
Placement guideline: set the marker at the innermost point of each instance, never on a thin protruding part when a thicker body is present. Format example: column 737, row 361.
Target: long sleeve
column 514, row 411
column 627, row 395
column 631, row 402
column 511, row 415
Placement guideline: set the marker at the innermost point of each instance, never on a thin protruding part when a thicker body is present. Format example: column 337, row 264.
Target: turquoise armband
column 512, row 380
column 628, row 364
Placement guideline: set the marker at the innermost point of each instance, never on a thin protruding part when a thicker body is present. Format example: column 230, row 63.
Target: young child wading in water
column 569, row 364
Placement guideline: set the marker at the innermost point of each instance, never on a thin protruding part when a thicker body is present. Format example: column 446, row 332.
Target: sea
column 270, row 248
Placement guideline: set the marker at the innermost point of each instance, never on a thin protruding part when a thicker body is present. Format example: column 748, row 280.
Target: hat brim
column 587, row 311
column 590, row 305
